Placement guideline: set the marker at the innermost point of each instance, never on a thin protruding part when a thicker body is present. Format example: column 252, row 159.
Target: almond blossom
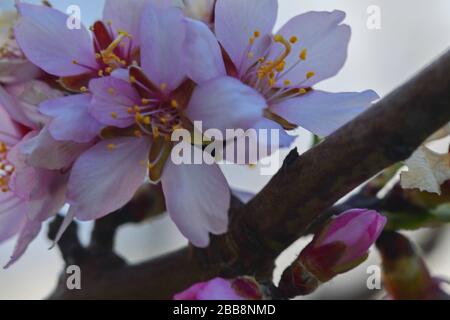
column 73, row 54
column 28, row 195
column 140, row 108
column 248, row 76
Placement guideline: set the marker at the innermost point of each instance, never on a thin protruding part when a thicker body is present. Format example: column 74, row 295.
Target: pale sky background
column 413, row 33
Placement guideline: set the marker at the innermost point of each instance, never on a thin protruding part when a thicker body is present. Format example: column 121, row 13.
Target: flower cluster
column 89, row 115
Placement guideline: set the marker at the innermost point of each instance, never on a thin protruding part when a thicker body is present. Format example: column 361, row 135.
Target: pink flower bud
column 343, row 243
column 243, row 288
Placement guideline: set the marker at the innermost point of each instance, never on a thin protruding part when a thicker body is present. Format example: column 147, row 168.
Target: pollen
column 130, row 110
column 111, row 91
column 145, row 101
column 138, row 134
column 310, row 74
column 257, row 34
column 111, row 146
column 163, row 86
column 114, row 115
column 287, row 82
column 100, row 73
column 147, row 120
column 303, row 54
column 83, row 89
column 132, row 79
column 250, row 55
column 174, row 103
column 302, row 91
column 293, row 40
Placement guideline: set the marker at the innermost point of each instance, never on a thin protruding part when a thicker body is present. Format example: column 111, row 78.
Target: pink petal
column 43, row 151
column 226, row 103
column 162, row 37
column 27, row 234
column 113, row 96
column 71, row 119
column 197, row 199
column 325, row 40
column 126, row 16
column 12, row 107
column 323, row 112
column 45, row 39
column 104, row 180
column 11, row 219
column 204, row 59
column 28, row 96
column 236, row 22
column 10, row 132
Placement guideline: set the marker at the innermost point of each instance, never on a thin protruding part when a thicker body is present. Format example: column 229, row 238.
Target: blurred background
column 412, row 34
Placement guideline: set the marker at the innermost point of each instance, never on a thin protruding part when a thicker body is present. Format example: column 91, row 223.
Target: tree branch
column 305, row 187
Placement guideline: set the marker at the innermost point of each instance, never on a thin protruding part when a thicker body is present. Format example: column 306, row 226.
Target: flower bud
column 405, row 274
column 242, row 288
column 341, row 246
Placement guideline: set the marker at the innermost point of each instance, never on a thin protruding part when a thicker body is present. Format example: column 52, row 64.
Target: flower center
column 111, row 52
column 270, row 76
column 157, row 114
column 6, row 168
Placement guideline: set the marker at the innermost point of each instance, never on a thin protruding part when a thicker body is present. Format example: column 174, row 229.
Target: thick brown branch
column 305, row 187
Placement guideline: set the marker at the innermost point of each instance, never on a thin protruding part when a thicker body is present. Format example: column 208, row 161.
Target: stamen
column 310, row 74
column 303, row 54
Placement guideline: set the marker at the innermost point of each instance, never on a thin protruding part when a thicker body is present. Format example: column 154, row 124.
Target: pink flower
column 243, row 288
column 343, row 243
column 44, row 37
column 140, row 109
column 14, row 67
column 260, row 80
column 28, row 195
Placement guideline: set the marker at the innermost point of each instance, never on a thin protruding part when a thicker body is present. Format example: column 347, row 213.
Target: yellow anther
column 109, row 70
column 310, row 74
column 278, row 38
column 303, row 54
column 155, row 131
column 145, row 101
column 163, row 86
column 111, row 91
column 132, row 79
column 302, row 91
column 250, row 55
column 130, row 110
column 114, row 115
column 251, row 41
column 83, row 89
column 100, row 73
column 257, row 33
column 138, row 133
column 293, row 39
column 174, row 103
column 287, row 82
column 138, row 117
column 98, row 56
column 74, row 61
column 271, row 82
column 147, row 120
column 281, row 66
column 111, row 147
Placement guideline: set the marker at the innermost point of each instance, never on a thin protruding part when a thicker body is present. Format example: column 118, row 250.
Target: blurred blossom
column 243, row 288
column 405, row 274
